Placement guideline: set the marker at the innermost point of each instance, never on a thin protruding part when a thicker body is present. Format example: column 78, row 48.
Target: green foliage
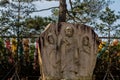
column 55, row 13
column 37, row 23
column 12, row 16
column 108, row 16
column 32, row 51
column 108, row 59
column 107, row 22
column 17, row 15
column 3, row 51
column 86, row 11
column 4, row 2
column 1, row 48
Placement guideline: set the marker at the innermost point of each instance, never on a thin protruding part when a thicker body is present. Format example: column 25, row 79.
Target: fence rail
column 37, row 36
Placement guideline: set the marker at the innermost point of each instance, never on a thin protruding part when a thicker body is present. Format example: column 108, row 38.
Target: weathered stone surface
column 68, row 51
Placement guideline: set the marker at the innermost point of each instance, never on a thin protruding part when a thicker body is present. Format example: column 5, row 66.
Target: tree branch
column 75, row 18
column 45, row 9
column 71, row 4
column 38, row 10
column 71, row 16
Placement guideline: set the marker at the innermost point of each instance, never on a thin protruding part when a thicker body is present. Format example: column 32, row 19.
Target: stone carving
column 85, row 52
column 50, row 39
column 68, row 51
column 51, row 47
column 86, row 45
column 69, row 31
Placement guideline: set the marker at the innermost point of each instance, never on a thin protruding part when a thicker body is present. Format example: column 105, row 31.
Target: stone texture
column 68, row 51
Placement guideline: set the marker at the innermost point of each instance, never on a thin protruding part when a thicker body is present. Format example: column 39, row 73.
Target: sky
column 43, row 5
column 116, row 6
column 47, row 4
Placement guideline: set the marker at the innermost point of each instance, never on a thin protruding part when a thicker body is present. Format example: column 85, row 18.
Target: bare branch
column 75, row 19
column 71, row 16
column 38, row 10
column 45, row 9
column 71, row 4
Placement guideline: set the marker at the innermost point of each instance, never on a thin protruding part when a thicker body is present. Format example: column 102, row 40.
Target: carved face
column 86, row 40
column 50, row 39
column 69, row 31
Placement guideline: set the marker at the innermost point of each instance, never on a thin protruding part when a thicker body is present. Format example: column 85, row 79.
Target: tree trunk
column 62, row 11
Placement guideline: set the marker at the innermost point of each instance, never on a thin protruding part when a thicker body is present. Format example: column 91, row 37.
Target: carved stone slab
column 68, row 51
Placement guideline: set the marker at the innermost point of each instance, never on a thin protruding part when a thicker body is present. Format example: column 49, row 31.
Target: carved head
column 85, row 41
column 50, row 39
column 69, row 31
